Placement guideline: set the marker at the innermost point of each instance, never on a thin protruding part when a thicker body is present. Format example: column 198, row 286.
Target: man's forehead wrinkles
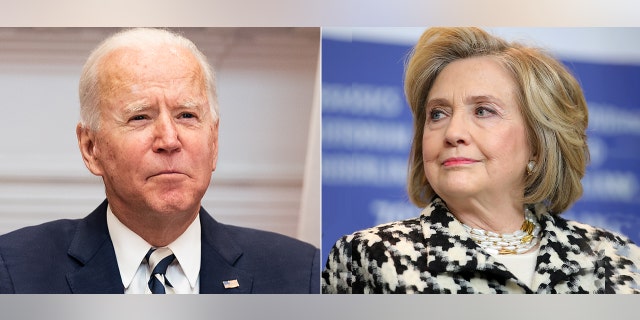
column 180, row 89
column 172, row 62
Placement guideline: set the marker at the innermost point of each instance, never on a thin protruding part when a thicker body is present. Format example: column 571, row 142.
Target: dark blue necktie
column 159, row 259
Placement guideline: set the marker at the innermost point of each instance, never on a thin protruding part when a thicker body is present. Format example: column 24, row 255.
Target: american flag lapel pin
column 230, row 284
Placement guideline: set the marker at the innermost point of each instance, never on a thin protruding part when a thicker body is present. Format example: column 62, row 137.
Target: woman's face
column 474, row 143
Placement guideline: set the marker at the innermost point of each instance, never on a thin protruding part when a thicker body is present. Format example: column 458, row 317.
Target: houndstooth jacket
column 432, row 254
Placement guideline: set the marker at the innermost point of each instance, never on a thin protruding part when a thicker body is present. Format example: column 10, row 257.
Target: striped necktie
column 159, row 259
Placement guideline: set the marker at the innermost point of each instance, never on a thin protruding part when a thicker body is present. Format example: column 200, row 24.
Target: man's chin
column 173, row 209
column 174, row 205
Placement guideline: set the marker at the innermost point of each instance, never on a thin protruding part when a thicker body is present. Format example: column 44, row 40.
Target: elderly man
column 149, row 128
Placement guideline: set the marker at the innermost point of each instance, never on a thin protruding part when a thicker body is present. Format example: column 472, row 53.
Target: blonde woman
column 498, row 152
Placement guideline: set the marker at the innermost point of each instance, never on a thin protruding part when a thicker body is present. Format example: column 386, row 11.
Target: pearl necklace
column 518, row 242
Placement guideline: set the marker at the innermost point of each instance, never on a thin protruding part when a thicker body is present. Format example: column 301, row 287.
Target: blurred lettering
column 362, row 99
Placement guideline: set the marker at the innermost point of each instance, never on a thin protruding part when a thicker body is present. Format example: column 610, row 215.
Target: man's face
column 157, row 143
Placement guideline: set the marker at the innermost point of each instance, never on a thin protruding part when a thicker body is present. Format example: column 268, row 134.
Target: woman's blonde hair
column 550, row 99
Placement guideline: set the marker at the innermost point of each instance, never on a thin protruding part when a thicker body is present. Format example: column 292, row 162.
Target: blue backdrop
column 366, row 135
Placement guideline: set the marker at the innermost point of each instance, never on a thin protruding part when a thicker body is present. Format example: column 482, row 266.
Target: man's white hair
column 137, row 38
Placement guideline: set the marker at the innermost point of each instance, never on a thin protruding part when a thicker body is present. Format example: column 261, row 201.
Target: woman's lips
column 458, row 161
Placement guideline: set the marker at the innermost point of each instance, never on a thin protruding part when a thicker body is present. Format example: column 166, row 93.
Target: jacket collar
column 91, row 246
column 565, row 251
column 220, row 255
column 451, row 250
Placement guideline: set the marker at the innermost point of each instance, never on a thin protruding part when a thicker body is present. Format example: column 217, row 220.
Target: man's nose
column 166, row 137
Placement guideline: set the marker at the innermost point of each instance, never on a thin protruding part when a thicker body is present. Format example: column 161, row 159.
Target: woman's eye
column 484, row 112
column 187, row 115
column 436, row 114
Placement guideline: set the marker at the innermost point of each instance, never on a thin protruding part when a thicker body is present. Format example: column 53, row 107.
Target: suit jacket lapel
column 92, row 248
column 219, row 259
column 450, row 249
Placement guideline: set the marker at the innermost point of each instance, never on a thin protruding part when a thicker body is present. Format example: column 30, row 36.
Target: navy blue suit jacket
column 77, row 256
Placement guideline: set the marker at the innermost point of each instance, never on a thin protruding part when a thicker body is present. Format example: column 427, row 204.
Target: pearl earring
column 530, row 166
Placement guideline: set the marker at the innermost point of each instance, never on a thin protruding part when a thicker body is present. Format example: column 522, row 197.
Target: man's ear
column 86, row 142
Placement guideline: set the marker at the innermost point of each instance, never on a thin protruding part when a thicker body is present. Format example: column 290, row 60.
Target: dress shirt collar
column 130, row 249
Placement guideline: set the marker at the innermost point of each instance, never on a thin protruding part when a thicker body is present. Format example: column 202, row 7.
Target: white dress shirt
column 130, row 249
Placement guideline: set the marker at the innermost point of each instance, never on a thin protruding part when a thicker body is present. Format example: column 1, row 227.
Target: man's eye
column 187, row 115
column 137, row 118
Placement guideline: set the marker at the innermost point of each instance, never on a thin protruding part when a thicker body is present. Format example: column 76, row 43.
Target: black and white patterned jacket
column 432, row 254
